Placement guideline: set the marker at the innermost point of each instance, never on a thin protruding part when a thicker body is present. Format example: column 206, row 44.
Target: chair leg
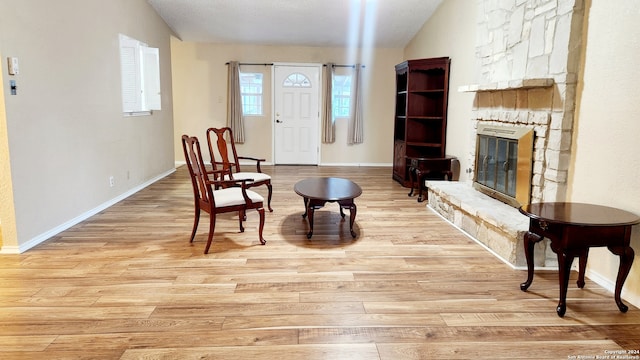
column 212, row 227
column 269, row 197
column 195, row 223
column 261, row 226
column 242, row 216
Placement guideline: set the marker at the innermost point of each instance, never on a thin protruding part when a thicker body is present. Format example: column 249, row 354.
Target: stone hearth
column 494, row 224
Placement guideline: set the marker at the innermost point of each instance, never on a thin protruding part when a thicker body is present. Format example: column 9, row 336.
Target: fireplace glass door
column 496, row 163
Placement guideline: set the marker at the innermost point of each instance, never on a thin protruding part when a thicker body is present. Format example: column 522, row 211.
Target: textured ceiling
column 340, row 23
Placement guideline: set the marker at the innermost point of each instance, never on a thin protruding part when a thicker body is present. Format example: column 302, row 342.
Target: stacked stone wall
column 519, row 41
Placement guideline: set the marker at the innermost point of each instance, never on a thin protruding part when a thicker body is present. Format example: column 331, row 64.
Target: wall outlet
column 112, row 181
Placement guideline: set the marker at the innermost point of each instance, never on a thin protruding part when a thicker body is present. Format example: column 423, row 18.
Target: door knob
column 278, row 121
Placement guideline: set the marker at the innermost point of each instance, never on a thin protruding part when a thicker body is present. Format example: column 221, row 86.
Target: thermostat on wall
column 14, row 69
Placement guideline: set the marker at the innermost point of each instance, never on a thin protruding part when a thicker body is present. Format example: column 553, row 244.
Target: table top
column 327, row 188
column 579, row 214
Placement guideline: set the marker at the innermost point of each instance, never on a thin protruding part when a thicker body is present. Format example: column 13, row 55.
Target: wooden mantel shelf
column 508, row 85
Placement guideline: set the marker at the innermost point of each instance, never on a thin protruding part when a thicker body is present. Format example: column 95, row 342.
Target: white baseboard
column 180, row 163
column 247, row 163
column 357, row 164
column 58, row 229
column 10, row 250
column 610, row 285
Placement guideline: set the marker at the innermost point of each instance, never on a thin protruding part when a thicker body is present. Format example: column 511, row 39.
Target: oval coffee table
column 318, row 191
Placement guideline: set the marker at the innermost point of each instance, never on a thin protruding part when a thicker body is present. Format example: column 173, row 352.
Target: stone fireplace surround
column 498, row 226
column 529, row 55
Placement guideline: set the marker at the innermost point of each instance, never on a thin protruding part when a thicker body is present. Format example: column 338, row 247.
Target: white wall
column 65, row 127
column 606, row 165
column 200, row 97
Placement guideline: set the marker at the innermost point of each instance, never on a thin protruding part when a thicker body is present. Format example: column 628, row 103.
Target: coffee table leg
column 352, row 218
column 306, row 206
column 310, row 211
column 349, row 204
column 312, row 204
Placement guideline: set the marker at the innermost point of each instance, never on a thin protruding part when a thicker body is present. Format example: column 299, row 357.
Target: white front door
column 297, row 114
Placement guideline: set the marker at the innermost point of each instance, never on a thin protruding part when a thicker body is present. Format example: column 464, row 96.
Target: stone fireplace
column 539, row 108
column 503, row 161
column 528, row 51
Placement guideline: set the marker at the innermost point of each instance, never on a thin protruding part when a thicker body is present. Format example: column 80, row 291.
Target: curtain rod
column 271, row 64
column 265, row 64
column 337, row 65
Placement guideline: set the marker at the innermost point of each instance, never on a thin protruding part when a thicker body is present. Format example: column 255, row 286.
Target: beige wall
column 200, row 97
column 451, row 32
column 7, row 215
column 606, row 165
column 66, row 132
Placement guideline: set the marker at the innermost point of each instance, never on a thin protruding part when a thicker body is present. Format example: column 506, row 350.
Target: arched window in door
column 297, row 80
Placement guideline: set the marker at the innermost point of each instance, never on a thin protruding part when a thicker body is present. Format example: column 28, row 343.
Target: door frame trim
column 273, row 105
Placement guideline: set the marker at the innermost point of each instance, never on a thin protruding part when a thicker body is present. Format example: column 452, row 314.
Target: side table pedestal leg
column 564, row 271
column 530, row 239
column 626, row 260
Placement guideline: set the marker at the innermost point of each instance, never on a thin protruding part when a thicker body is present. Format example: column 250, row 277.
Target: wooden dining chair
column 226, row 198
column 229, row 160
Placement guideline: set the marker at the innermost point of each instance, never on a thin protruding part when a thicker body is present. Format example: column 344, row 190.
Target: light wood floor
column 126, row 284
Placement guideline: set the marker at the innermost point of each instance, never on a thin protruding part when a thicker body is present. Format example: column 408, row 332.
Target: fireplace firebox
column 503, row 163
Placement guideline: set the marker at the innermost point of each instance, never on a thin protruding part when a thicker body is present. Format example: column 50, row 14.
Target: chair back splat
column 227, row 161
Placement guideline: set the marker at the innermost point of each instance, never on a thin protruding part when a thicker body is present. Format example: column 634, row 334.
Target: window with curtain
column 251, row 93
column 341, row 96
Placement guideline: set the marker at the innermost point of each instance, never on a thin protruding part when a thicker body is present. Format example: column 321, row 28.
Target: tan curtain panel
column 356, row 122
column 328, row 126
column 235, row 120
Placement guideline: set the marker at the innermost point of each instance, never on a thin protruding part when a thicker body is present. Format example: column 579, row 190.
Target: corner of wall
column 8, row 232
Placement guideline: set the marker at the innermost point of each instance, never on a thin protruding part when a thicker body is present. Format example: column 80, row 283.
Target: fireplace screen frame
column 504, row 163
